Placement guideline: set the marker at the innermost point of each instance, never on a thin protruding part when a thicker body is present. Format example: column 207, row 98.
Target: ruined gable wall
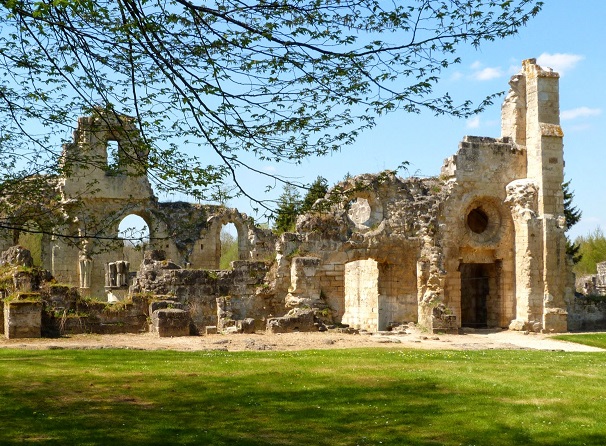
column 86, row 158
column 477, row 176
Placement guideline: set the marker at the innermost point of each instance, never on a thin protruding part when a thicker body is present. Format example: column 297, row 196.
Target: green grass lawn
column 593, row 339
column 329, row 397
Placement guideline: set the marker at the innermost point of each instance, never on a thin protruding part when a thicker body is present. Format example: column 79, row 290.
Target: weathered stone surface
column 22, row 319
column 246, row 326
column 17, row 255
column 587, row 313
column 443, row 321
column 163, row 304
column 170, row 322
column 296, row 320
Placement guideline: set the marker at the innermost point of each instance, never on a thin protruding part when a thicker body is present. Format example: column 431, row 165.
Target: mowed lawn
column 328, row 397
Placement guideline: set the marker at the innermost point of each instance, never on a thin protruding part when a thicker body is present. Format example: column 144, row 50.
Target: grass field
column 329, row 397
column 593, row 339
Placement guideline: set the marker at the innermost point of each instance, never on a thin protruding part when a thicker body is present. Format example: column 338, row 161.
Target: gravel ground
column 471, row 340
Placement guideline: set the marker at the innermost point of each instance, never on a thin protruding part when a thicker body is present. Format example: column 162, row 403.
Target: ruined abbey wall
column 482, row 245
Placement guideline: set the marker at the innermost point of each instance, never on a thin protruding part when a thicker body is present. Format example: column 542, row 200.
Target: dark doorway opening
column 475, row 293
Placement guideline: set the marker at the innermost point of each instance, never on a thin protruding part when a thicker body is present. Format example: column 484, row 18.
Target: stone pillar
column 304, row 283
column 513, row 111
column 362, row 295
column 522, row 197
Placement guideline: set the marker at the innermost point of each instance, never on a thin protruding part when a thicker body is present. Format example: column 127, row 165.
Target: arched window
column 134, row 231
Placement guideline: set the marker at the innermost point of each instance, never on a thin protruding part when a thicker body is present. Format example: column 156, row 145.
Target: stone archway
column 134, row 230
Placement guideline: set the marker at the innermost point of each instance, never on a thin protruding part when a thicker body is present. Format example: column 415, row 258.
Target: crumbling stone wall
column 198, row 290
column 587, row 313
column 482, row 245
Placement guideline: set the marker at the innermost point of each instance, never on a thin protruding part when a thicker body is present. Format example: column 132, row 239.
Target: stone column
column 86, row 266
column 522, row 197
column 304, row 283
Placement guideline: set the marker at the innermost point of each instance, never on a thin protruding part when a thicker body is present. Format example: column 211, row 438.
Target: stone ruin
column 481, row 246
column 593, row 284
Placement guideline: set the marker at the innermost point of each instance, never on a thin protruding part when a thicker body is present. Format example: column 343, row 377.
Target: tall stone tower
column 531, row 118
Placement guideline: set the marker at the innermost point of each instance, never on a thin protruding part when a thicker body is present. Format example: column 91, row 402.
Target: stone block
column 297, row 320
column 211, row 329
column 163, row 304
column 246, row 326
column 22, row 319
column 555, row 321
column 170, row 322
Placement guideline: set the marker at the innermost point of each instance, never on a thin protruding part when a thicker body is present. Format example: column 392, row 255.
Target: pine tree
column 316, row 191
column 572, row 215
column 289, row 205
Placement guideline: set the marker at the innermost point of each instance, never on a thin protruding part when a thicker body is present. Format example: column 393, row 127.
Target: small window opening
column 229, row 245
column 113, row 157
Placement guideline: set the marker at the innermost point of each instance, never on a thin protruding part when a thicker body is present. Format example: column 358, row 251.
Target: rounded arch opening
column 134, row 232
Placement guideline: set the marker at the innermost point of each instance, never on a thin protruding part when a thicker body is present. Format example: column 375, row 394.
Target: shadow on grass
column 314, row 398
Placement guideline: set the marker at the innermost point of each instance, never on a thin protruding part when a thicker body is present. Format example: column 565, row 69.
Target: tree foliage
column 289, row 205
column 316, row 191
column 572, row 214
column 214, row 85
column 592, row 249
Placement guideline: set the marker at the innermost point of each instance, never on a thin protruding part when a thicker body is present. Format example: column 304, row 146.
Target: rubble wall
column 587, row 313
column 198, row 290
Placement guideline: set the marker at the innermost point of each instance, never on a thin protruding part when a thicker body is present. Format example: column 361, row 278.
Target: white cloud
column 560, row 62
column 269, row 169
column 473, row 123
column 481, row 73
column 580, row 112
column 457, row 75
column 488, row 73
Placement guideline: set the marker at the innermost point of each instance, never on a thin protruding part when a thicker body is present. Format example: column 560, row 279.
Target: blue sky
column 566, row 36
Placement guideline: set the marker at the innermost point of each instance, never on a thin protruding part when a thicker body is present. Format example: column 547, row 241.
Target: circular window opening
column 477, row 220
column 360, row 211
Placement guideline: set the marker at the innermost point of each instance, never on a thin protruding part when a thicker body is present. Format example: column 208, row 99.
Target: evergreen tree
column 316, row 191
column 289, row 205
column 572, row 215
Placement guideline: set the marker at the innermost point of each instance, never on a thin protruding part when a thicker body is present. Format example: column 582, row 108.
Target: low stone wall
column 75, row 316
column 587, row 313
column 242, row 290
